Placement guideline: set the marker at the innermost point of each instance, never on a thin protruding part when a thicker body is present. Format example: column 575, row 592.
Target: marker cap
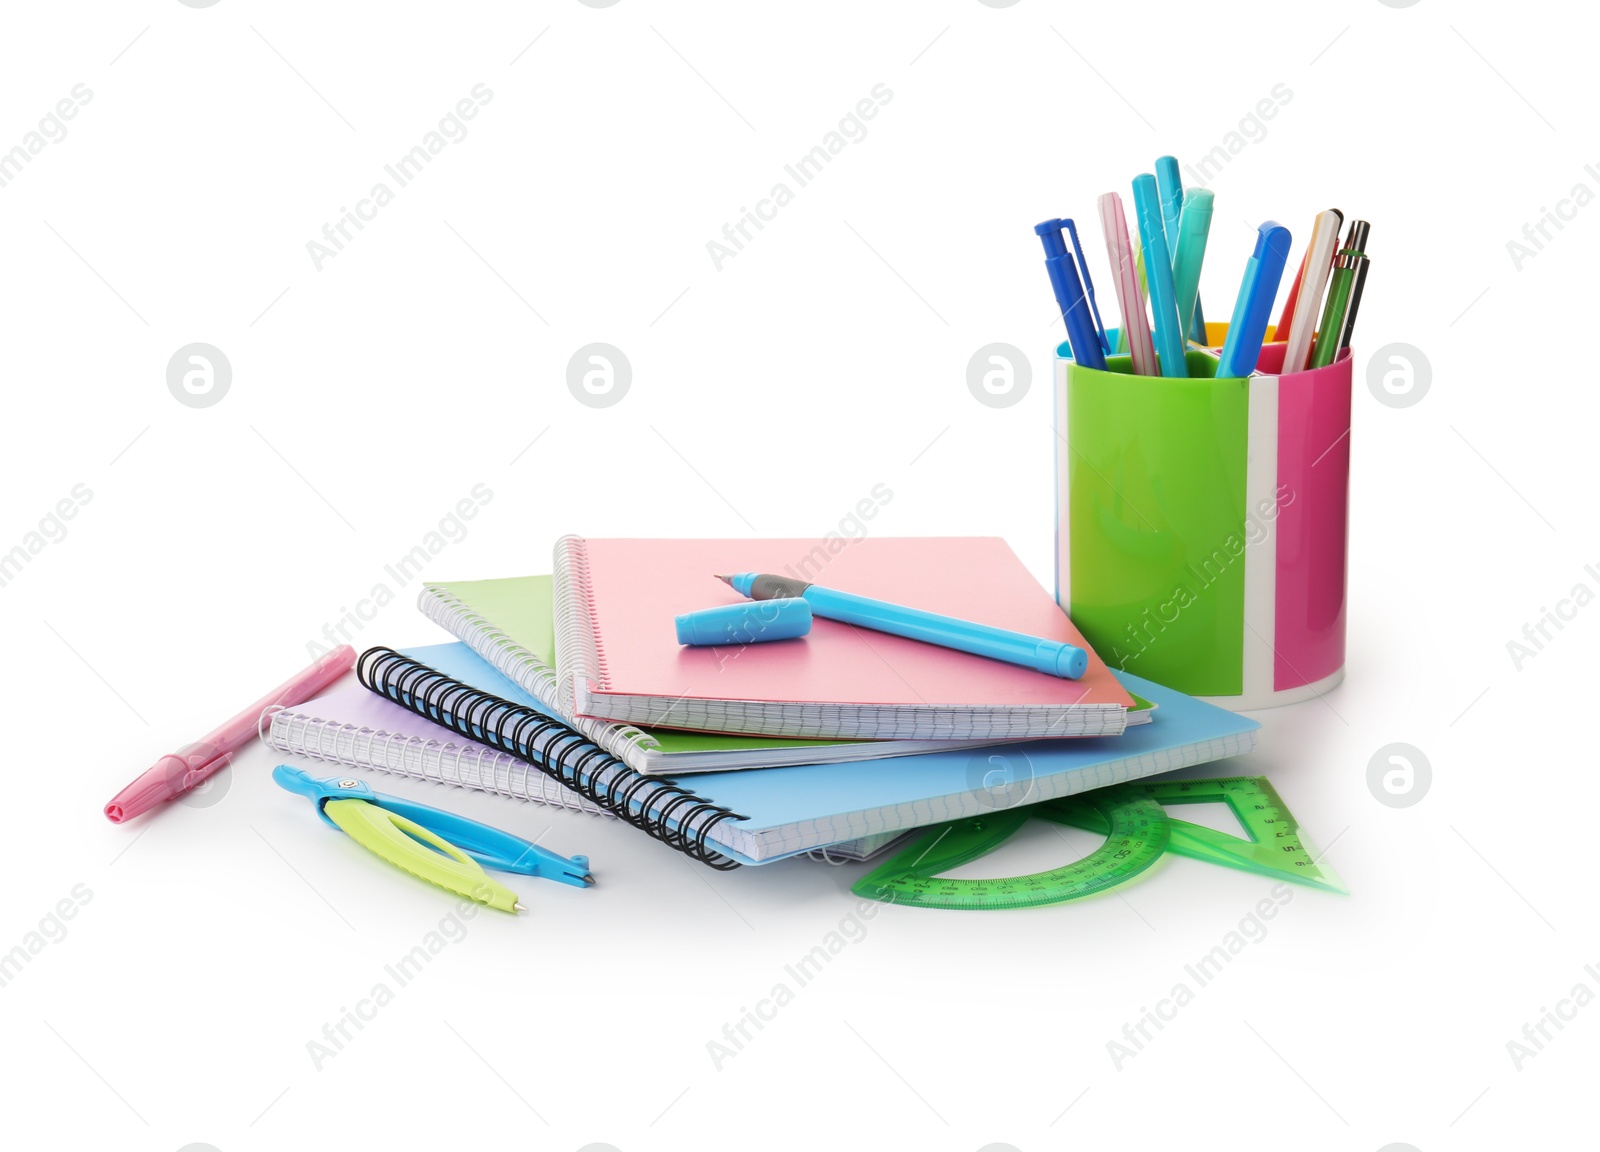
column 751, row 622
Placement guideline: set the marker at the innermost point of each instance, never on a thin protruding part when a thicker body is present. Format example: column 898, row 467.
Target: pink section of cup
column 1312, row 530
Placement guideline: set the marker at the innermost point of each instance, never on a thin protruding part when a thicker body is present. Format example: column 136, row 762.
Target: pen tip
column 519, row 907
column 728, row 580
column 588, row 878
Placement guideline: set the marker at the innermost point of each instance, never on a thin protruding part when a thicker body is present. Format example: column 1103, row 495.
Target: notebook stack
column 572, row 690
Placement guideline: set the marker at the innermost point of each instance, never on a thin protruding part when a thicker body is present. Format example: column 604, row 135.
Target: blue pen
column 1088, row 286
column 1169, row 336
column 1052, row 657
column 1081, row 334
column 1248, row 328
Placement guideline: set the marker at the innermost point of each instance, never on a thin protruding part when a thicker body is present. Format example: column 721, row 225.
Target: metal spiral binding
column 521, row 666
column 511, row 658
column 554, row 748
column 464, row 765
column 573, row 599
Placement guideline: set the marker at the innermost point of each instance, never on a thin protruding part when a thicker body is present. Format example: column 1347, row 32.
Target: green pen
column 1352, row 258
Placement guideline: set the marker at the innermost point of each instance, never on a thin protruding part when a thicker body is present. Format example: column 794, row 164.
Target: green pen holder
column 1202, row 523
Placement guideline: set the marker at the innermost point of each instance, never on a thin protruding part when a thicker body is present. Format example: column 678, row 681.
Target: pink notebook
column 617, row 657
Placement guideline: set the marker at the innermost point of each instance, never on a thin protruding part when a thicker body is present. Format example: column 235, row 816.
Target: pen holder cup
column 1202, row 523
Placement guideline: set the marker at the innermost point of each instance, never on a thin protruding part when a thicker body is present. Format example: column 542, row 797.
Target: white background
column 767, row 398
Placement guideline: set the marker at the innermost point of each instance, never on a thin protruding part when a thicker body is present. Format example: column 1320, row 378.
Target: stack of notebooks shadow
column 572, row 690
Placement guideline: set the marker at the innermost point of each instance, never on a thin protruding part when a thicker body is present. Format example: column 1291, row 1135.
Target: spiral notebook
column 617, row 657
column 355, row 728
column 766, row 814
column 509, row 623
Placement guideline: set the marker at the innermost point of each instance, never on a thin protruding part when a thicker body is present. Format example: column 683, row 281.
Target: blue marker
column 1169, row 335
column 1052, row 657
column 1081, row 333
column 1248, row 328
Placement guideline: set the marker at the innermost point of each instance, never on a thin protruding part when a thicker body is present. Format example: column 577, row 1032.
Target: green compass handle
column 407, row 844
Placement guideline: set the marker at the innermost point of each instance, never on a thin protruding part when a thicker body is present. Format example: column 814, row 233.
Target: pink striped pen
column 1124, row 270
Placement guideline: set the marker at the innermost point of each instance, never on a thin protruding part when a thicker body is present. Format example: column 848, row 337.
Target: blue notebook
column 786, row 811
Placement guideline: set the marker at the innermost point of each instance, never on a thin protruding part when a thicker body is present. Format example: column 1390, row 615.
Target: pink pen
column 172, row 776
column 1135, row 324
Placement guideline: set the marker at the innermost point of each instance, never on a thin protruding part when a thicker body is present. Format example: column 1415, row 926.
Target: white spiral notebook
column 359, row 729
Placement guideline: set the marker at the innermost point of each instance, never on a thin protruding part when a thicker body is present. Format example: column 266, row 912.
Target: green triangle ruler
column 1138, row 832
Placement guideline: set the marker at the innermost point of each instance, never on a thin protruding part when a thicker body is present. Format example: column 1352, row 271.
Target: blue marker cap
column 750, row 622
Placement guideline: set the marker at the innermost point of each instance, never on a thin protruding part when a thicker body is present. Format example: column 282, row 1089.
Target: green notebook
column 510, row 624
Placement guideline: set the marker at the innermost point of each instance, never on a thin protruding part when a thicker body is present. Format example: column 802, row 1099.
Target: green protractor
column 1136, row 830
column 1276, row 847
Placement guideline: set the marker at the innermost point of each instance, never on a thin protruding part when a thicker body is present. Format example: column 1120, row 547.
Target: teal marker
column 1193, row 230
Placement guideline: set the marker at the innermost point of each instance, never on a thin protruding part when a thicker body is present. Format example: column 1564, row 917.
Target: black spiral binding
column 664, row 810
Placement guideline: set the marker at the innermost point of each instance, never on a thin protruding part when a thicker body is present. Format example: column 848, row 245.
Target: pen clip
column 1088, row 285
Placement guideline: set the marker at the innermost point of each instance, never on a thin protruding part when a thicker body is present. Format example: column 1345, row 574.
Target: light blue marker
column 1169, row 185
column 1169, row 334
column 1049, row 656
